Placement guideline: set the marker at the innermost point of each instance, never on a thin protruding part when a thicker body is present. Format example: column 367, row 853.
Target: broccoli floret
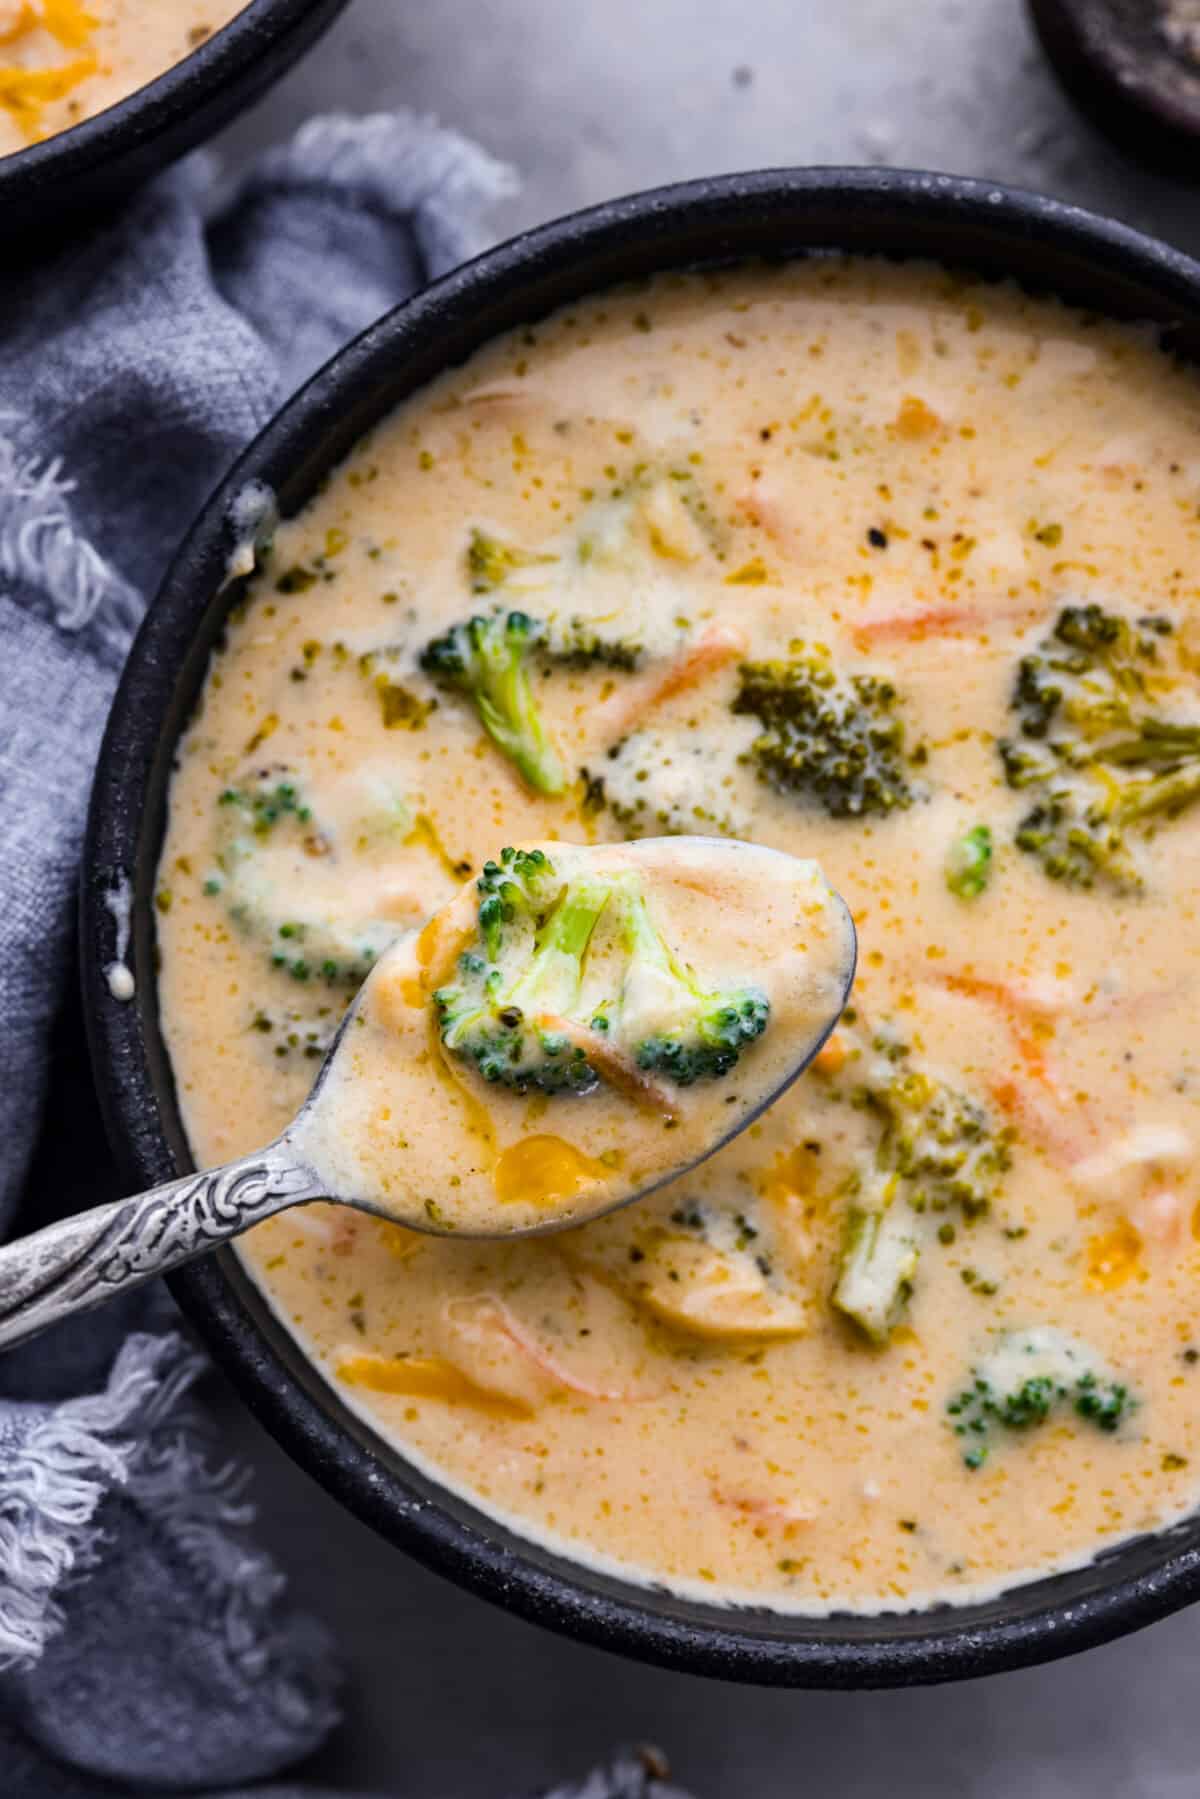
column 1095, row 750
column 666, row 784
column 942, row 1143
column 531, row 1009
column 268, row 840
column 532, row 923
column 654, row 514
column 1027, row 1377
column 671, row 1025
column 578, row 643
column 834, row 738
column 491, row 661
column 938, row 1150
column 969, row 863
column 516, row 891
column 263, row 799
column 491, row 561
column 575, row 642
column 487, row 659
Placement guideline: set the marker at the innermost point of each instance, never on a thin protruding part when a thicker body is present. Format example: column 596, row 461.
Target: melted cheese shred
column 917, row 473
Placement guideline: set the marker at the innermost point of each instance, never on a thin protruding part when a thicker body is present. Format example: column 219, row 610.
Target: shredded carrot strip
column 618, row 1070
column 713, row 650
column 1016, row 1007
column 939, row 621
column 488, row 1311
column 753, row 1505
column 1040, row 1116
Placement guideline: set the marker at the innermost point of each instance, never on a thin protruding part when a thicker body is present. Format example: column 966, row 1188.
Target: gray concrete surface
column 590, row 98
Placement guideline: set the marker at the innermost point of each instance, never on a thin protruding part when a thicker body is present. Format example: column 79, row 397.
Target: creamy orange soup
column 61, row 61
column 861, row 562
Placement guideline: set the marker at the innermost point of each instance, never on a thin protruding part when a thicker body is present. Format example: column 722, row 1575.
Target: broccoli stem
column 551, row 982
column 1156, row 742
column 510, row 716
column 642, row 940
column 487, row 660
column 878, row 1265
column 1169, row 793
column 670, row 1026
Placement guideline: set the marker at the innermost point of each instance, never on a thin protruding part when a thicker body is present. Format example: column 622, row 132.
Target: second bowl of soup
column 95, row 98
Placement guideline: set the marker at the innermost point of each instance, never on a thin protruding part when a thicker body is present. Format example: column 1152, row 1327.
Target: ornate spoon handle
column 82, row 1261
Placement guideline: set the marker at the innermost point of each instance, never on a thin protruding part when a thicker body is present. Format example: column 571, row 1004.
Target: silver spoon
column 84, row 1260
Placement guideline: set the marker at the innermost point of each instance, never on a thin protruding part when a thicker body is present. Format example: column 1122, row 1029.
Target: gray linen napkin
column 145, row 1640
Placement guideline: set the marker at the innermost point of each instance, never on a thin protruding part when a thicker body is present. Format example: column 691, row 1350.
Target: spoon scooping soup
column 577, row 1027
column 574, row 1029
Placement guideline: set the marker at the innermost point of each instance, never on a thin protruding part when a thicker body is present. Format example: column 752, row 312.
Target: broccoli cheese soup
column 861, row 562
column 64, row 60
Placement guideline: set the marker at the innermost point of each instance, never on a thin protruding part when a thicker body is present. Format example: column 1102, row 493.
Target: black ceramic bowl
column 1088, row 260
column 103, row 158
column 1116, row 61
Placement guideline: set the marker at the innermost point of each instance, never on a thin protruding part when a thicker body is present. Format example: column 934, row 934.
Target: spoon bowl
column 528, row 1163
column 470, row 1169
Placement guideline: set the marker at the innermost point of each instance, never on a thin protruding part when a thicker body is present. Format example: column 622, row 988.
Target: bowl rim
column 956, row 220
column 211, row 74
